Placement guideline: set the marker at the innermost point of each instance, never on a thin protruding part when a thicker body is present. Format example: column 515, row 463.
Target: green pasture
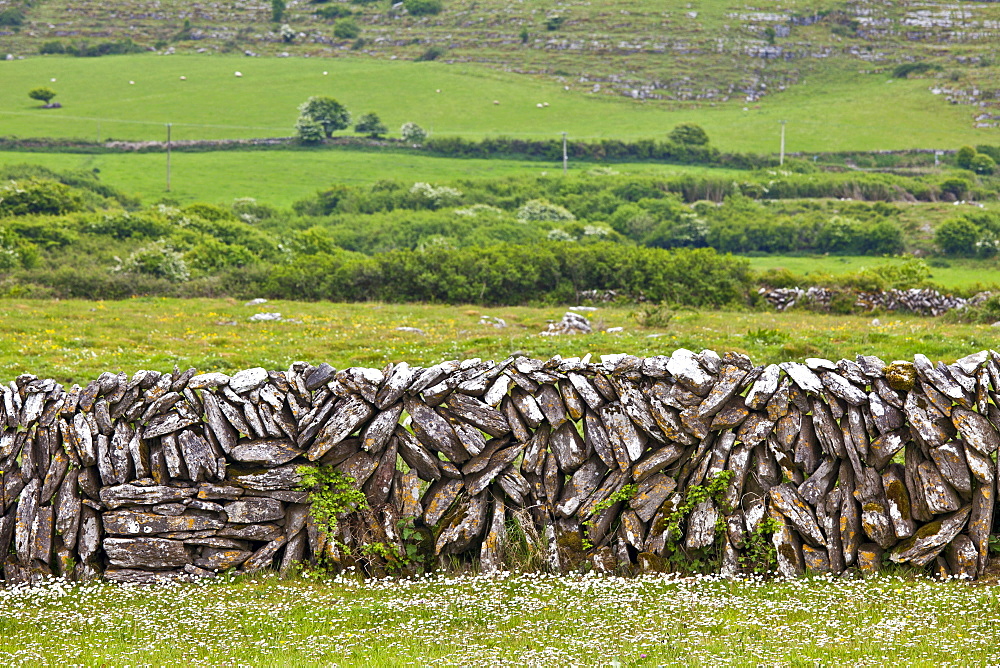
column 74, row 341
column 282, row 177
column 837, row 109
column 950, row 274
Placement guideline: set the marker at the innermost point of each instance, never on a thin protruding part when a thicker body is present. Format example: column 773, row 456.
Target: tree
column 422, row 7
column 964, row 157
column 982, row 164
column 277, row 10
column 412, row 132
column 330, row 114
column 43, row 94
column 371, row 125
column 688, row 134
column 346, row 29
column 957, row 236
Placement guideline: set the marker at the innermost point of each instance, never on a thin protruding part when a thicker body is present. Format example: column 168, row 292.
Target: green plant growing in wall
column 703, row 559
column 624, row 494
column 759, row 554
column 331, row 493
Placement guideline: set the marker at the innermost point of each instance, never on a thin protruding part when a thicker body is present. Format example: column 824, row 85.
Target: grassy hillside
column 701, row 51
column 833, row 110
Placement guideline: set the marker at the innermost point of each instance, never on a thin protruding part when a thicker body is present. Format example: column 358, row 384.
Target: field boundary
column 681, row 462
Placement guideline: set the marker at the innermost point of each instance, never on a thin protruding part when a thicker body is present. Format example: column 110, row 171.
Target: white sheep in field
column 238, row 74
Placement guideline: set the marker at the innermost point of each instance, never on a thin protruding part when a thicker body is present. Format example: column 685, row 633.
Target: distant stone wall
column 162, row 476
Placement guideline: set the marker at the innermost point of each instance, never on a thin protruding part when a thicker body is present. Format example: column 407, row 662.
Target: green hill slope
column 700, row 52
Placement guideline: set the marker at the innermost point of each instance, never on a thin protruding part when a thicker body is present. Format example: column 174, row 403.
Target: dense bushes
column 493, row 241
column 606, row 150
column 84, row 49
column 513, row 274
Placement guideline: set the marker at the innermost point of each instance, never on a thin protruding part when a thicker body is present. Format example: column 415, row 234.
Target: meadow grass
column 512, row 619
column 949, row 274
column 75, row 341
column 834, row 109
column 280, row 178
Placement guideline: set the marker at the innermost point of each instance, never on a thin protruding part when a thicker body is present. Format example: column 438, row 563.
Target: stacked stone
column 162, row 476
column 922, row 301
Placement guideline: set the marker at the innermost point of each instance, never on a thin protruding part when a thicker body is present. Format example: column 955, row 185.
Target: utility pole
column 168, row 157
column 781, row 160
column 565, row 155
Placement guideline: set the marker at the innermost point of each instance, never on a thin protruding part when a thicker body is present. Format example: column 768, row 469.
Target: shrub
column 432, row 53
column 22, row 198
column 435, row 197
column 12, row 17
column 334, row 12
column 906, row 69
column 308, row 130
column 157, row 259
column 955, row 187
column 250, row 211
column 553, row 23
column 146, row 225
column 370, row 124
column 688, row 134
column 346, row 29
column 212, row 255
column 413, row 133
column 16, row 252
column 84, row 49
column 957, row 236
column 982, row 164
column 538, row 210
column 964, row 156
column 287, row 33
column 54, row 47
column 422, row 7
column 277, row 10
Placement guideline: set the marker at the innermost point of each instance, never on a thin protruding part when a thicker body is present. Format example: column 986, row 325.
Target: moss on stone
column 901, row 376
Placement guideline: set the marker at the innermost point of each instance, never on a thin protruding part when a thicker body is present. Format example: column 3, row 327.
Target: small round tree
column 371, row 125
column 688, row 134
column 413, row 133
column 330, row 114
column 982, row 164
column 346, row 29
column 43, row 94
column 957, row 236
column 964, row 156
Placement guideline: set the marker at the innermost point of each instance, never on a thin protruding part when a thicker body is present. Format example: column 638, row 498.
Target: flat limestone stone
column 254, row 510
column 146, row 552
column 272, row 451
column 121, row 495
column 128, row 522
column 248, row 380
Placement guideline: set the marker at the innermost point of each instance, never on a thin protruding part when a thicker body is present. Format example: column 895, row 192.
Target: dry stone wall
column 162, row 476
